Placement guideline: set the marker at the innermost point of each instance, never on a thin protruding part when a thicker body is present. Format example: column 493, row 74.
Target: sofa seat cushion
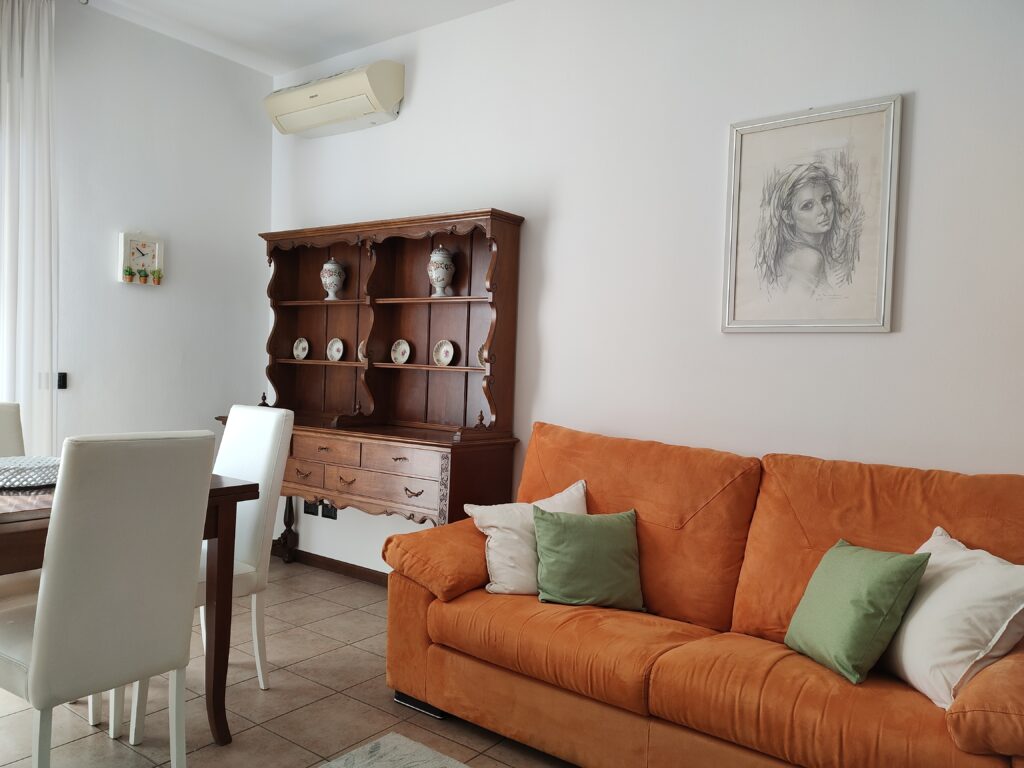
column 600, row 653
column 764, row 696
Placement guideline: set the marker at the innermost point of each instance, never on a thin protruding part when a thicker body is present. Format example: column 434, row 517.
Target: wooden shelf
column 416, row 367
column 319, row 303
column 340, row 363
column 435, row 300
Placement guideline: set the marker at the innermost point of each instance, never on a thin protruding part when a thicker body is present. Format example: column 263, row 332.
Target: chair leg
column 202, row 625
column 116, row 725
column 95, row 708
column 177, row 718
column 140, row 693
column 259, row 641
column 42, row 728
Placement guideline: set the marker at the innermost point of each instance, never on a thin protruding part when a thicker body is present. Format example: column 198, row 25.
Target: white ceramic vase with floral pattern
column 332, row 275
column 441, row 271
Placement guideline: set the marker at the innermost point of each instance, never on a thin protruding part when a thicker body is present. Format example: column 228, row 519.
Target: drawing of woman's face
column 812, row 210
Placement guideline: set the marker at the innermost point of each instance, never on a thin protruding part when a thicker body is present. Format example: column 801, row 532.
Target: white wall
column 158, row 136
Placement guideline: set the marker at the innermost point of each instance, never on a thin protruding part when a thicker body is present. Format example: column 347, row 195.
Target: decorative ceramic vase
column 332, row 275
column 441, row 270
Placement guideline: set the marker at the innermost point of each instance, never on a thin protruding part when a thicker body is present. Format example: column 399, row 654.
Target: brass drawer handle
column 302, row 474
column 322, row 448
column 399, row 458
column 413, row 494
column 347, row 482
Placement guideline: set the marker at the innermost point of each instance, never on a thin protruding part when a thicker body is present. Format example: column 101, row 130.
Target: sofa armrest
column 987, row 716
column 448, row 560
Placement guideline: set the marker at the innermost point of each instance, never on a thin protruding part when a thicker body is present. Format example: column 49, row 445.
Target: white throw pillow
column 967, row 614
column 511, row 547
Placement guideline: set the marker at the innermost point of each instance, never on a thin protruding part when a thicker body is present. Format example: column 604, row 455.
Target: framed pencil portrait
column 812, row 219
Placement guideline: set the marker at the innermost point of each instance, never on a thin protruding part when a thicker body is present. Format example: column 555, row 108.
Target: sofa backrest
column 805, row 505
column 693, row 511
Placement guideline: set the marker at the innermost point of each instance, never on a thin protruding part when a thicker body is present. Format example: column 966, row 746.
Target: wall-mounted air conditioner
column 354, row 99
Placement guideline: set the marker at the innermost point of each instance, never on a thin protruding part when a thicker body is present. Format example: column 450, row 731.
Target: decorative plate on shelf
column 335, row 349
column 361, row 351
column 480, row 357
column 444, row 352
column 26, row 472
column 300, row 349
column 400, row 351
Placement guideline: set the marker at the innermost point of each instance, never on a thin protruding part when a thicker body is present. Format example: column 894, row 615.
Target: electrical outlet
column 310, row 508
column 328, row 511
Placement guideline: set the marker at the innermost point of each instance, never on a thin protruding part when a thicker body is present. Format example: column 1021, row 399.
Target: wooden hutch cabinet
column 413, row 439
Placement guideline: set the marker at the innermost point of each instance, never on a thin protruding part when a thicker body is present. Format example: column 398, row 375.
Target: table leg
column 220, row 557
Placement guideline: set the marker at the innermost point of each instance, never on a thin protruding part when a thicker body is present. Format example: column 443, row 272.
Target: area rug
column 395, row 751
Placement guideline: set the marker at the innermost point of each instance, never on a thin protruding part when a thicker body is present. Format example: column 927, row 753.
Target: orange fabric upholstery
column 805, row 505
column 672, row 746
column 693, row 509
column 449, row 560
column 766, row 697
column 583, row 731
column 988, row 715
column 597, row 652
column 407, row 642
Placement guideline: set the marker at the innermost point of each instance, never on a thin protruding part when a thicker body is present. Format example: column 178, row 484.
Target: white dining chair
column 255, row 448
column 12, row 441
column 117, row 586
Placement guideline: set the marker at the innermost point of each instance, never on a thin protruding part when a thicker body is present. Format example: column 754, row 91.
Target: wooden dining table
column 25, row 517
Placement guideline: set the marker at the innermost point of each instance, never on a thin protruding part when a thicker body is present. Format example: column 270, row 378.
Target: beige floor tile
column 341, row 668
column 294, row 645
column 96, row 751
column 156, row 744
column 280, row 570
column 155, row 701
column 377, row 644
column 241, row 627
column 473, row 736
column 350, row 627
column 517, row 755
column 275, row 593
column 376, row 693
column 195, row 647
column 377, row 609
column 287, row 692
column 483, row 761
column 241, row 666
column 304, row 610
column 316, row 581
column 331, row 725
column 426, row 738
column 9, row 703
column 356, row 595
column 254, row 748
column 16, row 732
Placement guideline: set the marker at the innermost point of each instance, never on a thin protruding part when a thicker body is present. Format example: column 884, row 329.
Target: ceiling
column 277, row 36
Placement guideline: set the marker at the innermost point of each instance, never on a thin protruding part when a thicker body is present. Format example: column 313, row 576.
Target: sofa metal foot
column 420, row 706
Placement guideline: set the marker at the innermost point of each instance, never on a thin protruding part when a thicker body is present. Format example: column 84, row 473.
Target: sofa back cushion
column 693, row 510
column 805, row 505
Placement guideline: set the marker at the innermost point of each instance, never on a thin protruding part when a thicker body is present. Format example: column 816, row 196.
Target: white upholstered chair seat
column 245, row 578
column 23, row 586
column 16, row 623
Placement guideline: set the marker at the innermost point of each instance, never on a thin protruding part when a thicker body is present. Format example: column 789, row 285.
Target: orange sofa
column 727, row 545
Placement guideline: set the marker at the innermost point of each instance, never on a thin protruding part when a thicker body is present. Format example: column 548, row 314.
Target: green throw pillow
column 588, row 559
column 852, row 607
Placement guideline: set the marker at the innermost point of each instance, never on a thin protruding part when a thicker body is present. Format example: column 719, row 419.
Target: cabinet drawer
column 398, row 458
column 325, row 449
column 304, row 473
column 408, row 491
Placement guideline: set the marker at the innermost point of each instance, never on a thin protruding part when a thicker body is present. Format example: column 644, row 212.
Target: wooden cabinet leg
column 285, row 545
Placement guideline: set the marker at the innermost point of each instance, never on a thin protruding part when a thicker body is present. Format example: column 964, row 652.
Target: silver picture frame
column 812, row 220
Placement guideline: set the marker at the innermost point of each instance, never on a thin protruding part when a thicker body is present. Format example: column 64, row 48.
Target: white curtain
column 28, row 218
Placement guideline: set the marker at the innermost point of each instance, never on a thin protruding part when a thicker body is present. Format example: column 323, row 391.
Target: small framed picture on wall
column 812, row 219
column 140, row 259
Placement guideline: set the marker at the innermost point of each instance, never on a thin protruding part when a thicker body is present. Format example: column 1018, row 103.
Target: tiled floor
column 325, row 645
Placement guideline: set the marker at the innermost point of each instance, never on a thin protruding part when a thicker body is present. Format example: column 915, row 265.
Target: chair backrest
column 12, row 442
column 255, row 447
column 121, row 562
